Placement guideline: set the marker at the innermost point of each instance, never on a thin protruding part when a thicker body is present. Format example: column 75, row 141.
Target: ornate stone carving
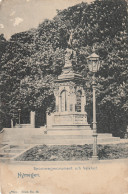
column 56, row 92
column 71, row 107
column 56, row 86
column 68, row 56
column 72, row 90
column 72, row 84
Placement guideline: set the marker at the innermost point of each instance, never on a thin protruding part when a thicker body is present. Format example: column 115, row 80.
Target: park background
column 31, row 60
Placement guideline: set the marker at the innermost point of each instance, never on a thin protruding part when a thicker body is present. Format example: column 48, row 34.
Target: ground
column 74, row 152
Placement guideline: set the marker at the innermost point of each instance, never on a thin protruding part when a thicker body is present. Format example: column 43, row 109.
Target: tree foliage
column 33, row 60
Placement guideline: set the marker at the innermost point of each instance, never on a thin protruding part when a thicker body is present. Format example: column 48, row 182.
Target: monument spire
column 70, row 40
column 67, row 71
column 69, row 52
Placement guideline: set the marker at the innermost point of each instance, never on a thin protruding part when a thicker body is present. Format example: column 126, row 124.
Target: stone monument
column 70, row 96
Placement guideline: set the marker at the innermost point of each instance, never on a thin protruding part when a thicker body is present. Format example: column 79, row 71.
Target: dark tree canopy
column 33, row 59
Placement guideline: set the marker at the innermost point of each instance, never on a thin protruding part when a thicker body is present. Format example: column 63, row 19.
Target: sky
column 21, row 15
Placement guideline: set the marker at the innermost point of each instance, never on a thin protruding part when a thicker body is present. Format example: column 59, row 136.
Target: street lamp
column 94, row 65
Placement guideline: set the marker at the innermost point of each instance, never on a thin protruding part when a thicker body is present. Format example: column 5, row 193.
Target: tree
column 33, row 60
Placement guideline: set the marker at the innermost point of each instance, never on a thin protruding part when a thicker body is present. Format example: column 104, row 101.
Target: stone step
column 2, row 152
column 75, row 132
column 3, row 145
column 20, row 132
column 68, row 132
column 17, row 135
column 10, row 151
column 7, row 160
column 69, row 127
column 13, row 150
column 87, row 136
column 108, row 139
column 76, row 141
column 6, row 156
column 105, row 135
column 18, row 147
column 13, row 141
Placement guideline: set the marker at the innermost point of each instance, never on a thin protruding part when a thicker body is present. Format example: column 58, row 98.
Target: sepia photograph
column 64, row 96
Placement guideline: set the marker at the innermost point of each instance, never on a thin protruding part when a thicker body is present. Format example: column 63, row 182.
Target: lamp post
column 94, row 65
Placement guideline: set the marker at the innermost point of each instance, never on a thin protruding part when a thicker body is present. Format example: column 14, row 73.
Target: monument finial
column 69, row 51
column 70, row 40
column 93, row 49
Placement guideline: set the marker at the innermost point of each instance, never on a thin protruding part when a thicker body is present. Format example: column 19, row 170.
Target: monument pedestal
column 70, row 99
column 65, row 120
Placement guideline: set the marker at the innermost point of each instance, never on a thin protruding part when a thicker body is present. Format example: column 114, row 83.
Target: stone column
column 82, row 103
column 59, row 97
column 72, row 99
column 56, row 94
column 32, row 119
column 11, row 123
column 68, row 102
column 57, row 103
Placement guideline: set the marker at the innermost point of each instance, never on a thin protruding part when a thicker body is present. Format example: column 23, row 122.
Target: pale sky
column 20, row 15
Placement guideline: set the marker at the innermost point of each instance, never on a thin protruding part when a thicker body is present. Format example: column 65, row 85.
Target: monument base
column 29, row 136
column 67, row 128
column 68, row 121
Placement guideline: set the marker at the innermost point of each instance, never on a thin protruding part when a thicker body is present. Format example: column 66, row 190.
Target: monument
column 70, row 98
column 68, row 124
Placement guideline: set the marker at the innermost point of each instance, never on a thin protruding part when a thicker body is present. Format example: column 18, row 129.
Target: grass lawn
column 73, row 152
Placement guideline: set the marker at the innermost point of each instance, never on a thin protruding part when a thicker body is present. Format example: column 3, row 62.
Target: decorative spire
column 67, row 71
column 69, row 52
column 70, row 40
column 68, row 57
column 93, row 49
